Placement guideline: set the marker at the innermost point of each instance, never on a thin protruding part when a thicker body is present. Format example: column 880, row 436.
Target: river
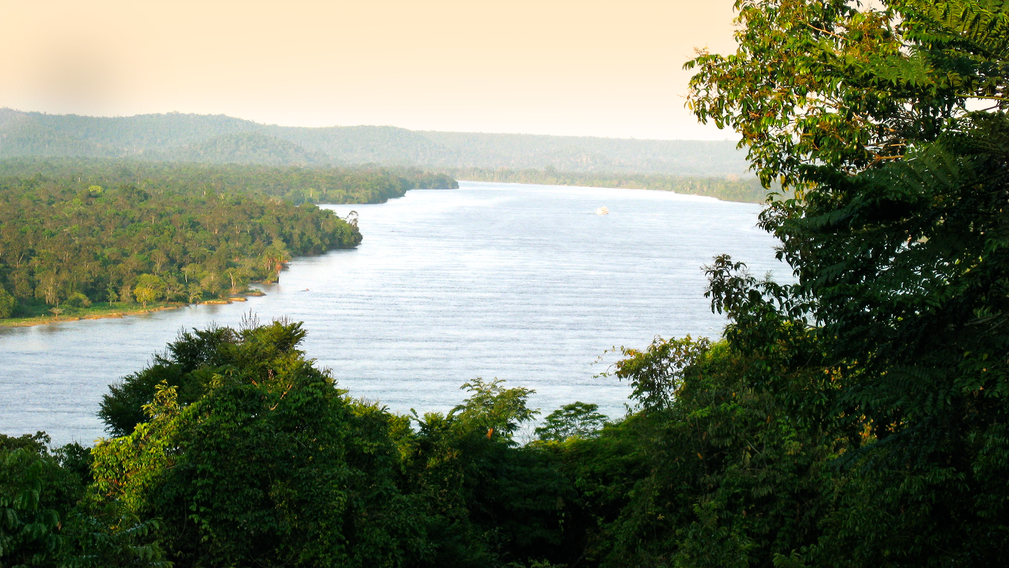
column 525, row 283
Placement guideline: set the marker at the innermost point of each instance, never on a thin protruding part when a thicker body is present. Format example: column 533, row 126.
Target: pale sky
column 565, row 67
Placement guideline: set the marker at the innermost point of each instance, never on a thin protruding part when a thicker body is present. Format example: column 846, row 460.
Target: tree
column 29, row 530
column 265, row 463
column 159, row 259
column 575, row 420
column 274, row 258
column 49, row 287
column 39, row 494
column 487, row 500
column 148, row 288
column 6, row 303
column 110, row 293
column 494, row 408
column 734, row 452
column 895, row 237
column 188, row 365
column 125, row 293
column 78, row 300
column 194, row 292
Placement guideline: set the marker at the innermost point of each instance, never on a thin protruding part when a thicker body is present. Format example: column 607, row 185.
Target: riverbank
column 744, row 188
column 116, row 310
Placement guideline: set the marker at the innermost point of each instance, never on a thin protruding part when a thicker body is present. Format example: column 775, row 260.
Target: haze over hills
column 224, row 139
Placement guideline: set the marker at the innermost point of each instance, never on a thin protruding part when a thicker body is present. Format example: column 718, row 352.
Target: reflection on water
column 525, row 283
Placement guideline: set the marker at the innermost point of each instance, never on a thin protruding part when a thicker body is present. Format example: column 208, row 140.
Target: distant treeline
column 298, row 184
column 75, row 233
column 729, row 188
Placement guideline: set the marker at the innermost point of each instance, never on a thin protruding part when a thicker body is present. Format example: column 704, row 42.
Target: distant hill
column 223, row 139
column 365, row 144
column 247, row 148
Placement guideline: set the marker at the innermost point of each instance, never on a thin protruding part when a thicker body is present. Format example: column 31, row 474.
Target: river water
column 524, row 283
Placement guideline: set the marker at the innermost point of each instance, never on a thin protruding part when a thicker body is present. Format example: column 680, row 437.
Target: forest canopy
column 79, row 232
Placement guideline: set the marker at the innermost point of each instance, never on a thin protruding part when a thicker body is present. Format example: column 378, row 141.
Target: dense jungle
column 79, row 234
column 854, row 417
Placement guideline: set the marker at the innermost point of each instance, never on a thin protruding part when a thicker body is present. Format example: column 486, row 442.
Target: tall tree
column 891, row 125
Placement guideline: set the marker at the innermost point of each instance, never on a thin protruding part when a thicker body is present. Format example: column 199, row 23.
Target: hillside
column 223, row 139
column 247, row 148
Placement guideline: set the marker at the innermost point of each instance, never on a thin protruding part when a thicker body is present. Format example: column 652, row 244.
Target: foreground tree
column 269, row 464
column 47, row 520
column 897, row 236
column 36, row 495
column 488, row 501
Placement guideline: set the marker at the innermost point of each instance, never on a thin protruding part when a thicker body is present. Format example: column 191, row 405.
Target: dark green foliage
column 6, row 303
column 101, row 536
column 245, row 451
column 604, row 469
column 47, row 519
column 269, row 465
column 487, row 502
column 908, row 269
column 38, row 492
column 188, row 365
column 29, row 509
column 737, row 455
column 897, row 236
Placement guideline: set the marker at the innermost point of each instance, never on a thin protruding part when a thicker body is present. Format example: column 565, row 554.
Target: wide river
column 525, row 283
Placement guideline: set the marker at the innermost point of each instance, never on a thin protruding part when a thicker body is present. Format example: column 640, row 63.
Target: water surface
column 521, row 282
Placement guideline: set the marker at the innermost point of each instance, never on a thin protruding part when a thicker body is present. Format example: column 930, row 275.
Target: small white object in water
column 602, row 211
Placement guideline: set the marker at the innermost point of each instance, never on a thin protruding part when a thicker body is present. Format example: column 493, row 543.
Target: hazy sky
column 578, row 67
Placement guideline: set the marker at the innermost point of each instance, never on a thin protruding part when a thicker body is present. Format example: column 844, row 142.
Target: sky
column 563, row 67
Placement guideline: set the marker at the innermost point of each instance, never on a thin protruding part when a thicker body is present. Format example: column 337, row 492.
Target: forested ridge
column 854, row 418
column 76, row 233
column 223, row 139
